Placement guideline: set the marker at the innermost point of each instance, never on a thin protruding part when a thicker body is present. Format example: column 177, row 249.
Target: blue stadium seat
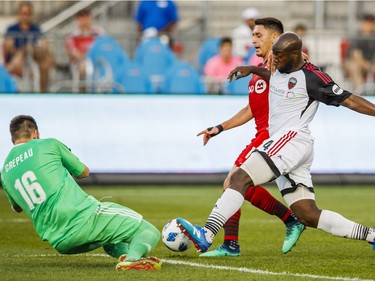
column 182, row 78
column 238, row 87
column 8, row 84
column 209, row 48
column 134, row 80
column 108, row 60
column 155, row 57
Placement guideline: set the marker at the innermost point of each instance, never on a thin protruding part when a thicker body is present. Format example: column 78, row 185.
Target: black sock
column 291, row 219
column 232, row 244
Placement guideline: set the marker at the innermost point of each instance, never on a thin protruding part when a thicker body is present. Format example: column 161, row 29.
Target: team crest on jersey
column 260, row 86
column 292, row 82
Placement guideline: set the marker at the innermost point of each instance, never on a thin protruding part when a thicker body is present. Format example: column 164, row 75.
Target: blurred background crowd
column 172, row 47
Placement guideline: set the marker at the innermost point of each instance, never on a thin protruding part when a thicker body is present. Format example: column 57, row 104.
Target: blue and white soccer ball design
column 173, row 238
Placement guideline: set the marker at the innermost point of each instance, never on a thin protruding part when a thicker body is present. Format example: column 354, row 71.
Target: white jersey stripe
column 130, row 215
column 281, row 143
column 137, row 217
column 118, row 211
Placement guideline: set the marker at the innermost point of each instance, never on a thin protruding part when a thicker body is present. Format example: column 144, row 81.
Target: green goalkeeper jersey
column 36, row 176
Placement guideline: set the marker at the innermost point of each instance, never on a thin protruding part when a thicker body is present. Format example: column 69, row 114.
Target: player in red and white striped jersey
column 265, row 32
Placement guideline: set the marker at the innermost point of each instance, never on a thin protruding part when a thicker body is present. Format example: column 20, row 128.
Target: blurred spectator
column 218, row 67
column 159, row 14
column 360, row 64
column 79, row 41
column 23, row 43
column 301, row 30
column 242, row 35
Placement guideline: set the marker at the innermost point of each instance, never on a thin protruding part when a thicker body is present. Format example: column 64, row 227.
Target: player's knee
column 154, row 237
column 157, row 235
column 240, row 181
column 256, row 195
column 153, row 233
column 307, row 212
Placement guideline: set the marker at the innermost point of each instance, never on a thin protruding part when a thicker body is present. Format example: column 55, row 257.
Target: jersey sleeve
column 321, row 87
column 69, row 160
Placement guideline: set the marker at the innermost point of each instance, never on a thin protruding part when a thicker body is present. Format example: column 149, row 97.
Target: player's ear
column 36, row 134
column 274, row 37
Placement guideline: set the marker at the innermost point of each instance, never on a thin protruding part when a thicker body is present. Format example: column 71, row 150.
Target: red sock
column 232, row 226
column 262, row 199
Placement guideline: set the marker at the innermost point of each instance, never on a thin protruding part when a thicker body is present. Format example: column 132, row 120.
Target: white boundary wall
column 157, row 133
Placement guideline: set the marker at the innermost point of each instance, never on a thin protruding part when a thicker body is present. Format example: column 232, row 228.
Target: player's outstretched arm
column 239, row 72
column 246, row 70
column 240, row 118
column 360, row 105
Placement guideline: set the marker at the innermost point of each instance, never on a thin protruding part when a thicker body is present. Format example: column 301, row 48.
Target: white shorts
column 288, row 154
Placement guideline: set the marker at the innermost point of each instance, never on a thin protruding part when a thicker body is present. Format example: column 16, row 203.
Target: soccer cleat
column 123, row 257
column 143, row 264
column 293, row 232
column 222, row 251
column 195, row 233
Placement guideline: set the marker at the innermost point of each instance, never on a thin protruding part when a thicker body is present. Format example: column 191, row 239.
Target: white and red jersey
column 294, row 98
column 293, row 101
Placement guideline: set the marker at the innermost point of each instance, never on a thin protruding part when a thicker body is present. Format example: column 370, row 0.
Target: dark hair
column 22, row 126
column 83, row 13
column 271, row 23
column 225, row 40
column 300, row 26
column 368, row 17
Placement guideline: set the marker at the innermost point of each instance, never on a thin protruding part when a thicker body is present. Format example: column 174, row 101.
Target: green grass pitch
column 317, row 256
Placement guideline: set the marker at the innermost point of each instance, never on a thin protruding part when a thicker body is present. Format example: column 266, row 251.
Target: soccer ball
column 173, row 238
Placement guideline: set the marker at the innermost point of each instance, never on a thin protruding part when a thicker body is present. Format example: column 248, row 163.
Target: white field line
column 15, row 220
column 220, row 267
column 258, row 221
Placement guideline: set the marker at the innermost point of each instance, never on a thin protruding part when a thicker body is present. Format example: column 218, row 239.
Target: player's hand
column 210, row 132
column 270, row 65
column 239, row 72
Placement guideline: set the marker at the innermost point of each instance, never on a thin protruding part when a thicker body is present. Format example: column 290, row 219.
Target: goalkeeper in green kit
column 37, row 177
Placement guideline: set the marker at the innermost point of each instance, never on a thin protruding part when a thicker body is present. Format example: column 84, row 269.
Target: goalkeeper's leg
column 142, row 241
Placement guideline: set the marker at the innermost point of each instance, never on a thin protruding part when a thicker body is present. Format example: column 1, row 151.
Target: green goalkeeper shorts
column 110, row 223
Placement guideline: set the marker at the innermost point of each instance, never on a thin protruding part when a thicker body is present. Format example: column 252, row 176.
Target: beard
column 287, row 68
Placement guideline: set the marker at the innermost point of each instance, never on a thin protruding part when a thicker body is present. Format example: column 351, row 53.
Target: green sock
column 116, row 250
column 142, row 241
